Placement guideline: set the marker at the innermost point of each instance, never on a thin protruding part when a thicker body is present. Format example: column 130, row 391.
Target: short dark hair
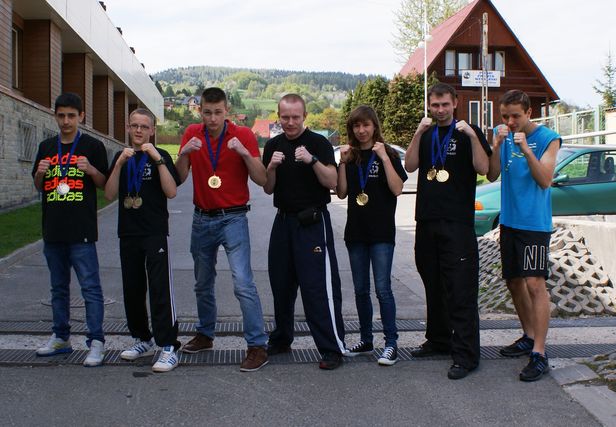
column 213, row 95
column 515, row 96
column 144, row 112
column 71, row 100
column 292, row 97
column 441, row 89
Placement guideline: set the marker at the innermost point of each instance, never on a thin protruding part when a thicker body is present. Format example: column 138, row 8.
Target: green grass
column 22, row 226
column 263, row 104
column 172, row 149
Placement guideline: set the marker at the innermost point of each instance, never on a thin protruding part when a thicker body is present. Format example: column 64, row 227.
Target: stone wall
column 23, row 125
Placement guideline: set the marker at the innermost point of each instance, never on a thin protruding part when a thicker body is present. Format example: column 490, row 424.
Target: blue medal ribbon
column 135, row 173
column 439, row 148
column 363, row 178
column 64, row 167
column 214, row 160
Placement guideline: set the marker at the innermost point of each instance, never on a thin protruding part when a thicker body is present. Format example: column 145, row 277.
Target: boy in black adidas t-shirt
column 144, row 177
column 67, row 170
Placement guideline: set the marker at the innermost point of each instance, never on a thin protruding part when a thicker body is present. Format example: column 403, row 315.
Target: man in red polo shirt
column 222, row 156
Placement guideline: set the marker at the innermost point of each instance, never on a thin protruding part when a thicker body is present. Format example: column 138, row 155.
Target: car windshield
column 563, row 153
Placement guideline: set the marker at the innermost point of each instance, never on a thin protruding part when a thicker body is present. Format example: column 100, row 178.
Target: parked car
column 584, row 184
column 410, row 185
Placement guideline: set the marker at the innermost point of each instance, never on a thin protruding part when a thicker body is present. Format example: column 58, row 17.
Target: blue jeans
column 230, row 231
column 380, row 255
column 82, row 257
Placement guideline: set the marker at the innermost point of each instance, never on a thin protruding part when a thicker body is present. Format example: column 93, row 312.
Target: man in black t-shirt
column 300, row 172
column 144, row 177
column 448, row 155
column 67, row 170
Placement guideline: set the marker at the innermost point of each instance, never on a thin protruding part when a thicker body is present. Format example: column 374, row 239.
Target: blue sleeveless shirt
column 524, row 204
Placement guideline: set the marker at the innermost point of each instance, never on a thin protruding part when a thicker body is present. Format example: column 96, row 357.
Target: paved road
column 410, row 393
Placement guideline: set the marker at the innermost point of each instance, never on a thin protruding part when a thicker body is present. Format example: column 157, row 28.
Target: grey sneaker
column 167, row 361
column 96, row 354
column 139, row 349
column 55, row 346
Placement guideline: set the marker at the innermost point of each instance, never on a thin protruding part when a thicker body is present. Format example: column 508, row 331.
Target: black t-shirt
column 375, row 221
column 152, row 218
column 454, row 199
column 70, row 218
column 297, row 186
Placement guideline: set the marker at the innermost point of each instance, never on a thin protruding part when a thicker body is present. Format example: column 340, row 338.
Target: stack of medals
column 514, row 150
column 214, row 181
column 134, row 177
column 439, row 154
column 362, row 198
column 63, row 188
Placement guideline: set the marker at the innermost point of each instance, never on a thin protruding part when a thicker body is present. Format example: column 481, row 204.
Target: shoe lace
column 388, row 352
column 166, row 355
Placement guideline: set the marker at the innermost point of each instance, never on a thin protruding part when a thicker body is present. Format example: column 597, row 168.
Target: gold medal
column 128, row 202
column 137, row 202
column 362, row 199
column 442, row 175
column 431, row 174
column 214, row 181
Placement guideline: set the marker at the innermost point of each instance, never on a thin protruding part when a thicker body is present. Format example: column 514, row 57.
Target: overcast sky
column 568, row 40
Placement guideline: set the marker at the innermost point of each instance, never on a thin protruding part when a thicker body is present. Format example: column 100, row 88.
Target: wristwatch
column 314, row 160
column 160, row 161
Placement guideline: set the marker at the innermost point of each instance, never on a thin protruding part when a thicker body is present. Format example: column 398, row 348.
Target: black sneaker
column 389, row 356
column 428, row 349
column 537, row 367
column 330, row 361
column 520, row 347
column 274, row 349
column 359, row 348
column 457, row 372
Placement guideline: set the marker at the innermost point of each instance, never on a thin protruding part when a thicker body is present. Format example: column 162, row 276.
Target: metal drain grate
column 235, row 357
column 301, row 328
column 77, row 302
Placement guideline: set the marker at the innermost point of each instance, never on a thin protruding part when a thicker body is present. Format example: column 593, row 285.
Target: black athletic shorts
column 524, row 253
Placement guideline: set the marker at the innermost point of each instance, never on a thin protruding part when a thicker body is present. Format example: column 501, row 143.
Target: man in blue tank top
column 524, row 153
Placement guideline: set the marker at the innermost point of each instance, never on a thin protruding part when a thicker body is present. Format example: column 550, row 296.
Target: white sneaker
column 139, row 349
column 55, row 346
column 96, row 354
column 167, row 361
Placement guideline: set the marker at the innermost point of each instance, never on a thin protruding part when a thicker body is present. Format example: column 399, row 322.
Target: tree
column 607, row 88
column 409, row 21
column 158, row 87
column 169, row 93
column 404, row 107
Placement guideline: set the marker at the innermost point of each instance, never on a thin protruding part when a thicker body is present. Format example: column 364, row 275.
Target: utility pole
column 484, row 75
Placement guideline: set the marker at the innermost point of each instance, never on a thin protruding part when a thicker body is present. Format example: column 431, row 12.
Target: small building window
column 499, row 62
column 474, row 113
column 27, row 141
column 450, row 63
column 465, row 62
column 16, row 53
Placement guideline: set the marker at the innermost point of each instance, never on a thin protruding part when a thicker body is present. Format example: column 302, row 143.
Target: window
column 450, row 63
column 489, row 63
column 474, row 113
column 465, row 62
column 27, row 141
column 499, row 62
column 16, row 52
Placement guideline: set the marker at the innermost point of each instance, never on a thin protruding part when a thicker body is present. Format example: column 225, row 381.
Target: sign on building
column 474, row 78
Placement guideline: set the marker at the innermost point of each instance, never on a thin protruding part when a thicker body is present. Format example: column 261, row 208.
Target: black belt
column 292, row 213
column 222, row 211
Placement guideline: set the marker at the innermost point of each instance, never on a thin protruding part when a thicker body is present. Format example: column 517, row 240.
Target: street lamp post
column 424, row 44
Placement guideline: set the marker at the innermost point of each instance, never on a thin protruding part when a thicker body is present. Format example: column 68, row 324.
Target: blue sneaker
column 55, row 346
column 537, row 367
